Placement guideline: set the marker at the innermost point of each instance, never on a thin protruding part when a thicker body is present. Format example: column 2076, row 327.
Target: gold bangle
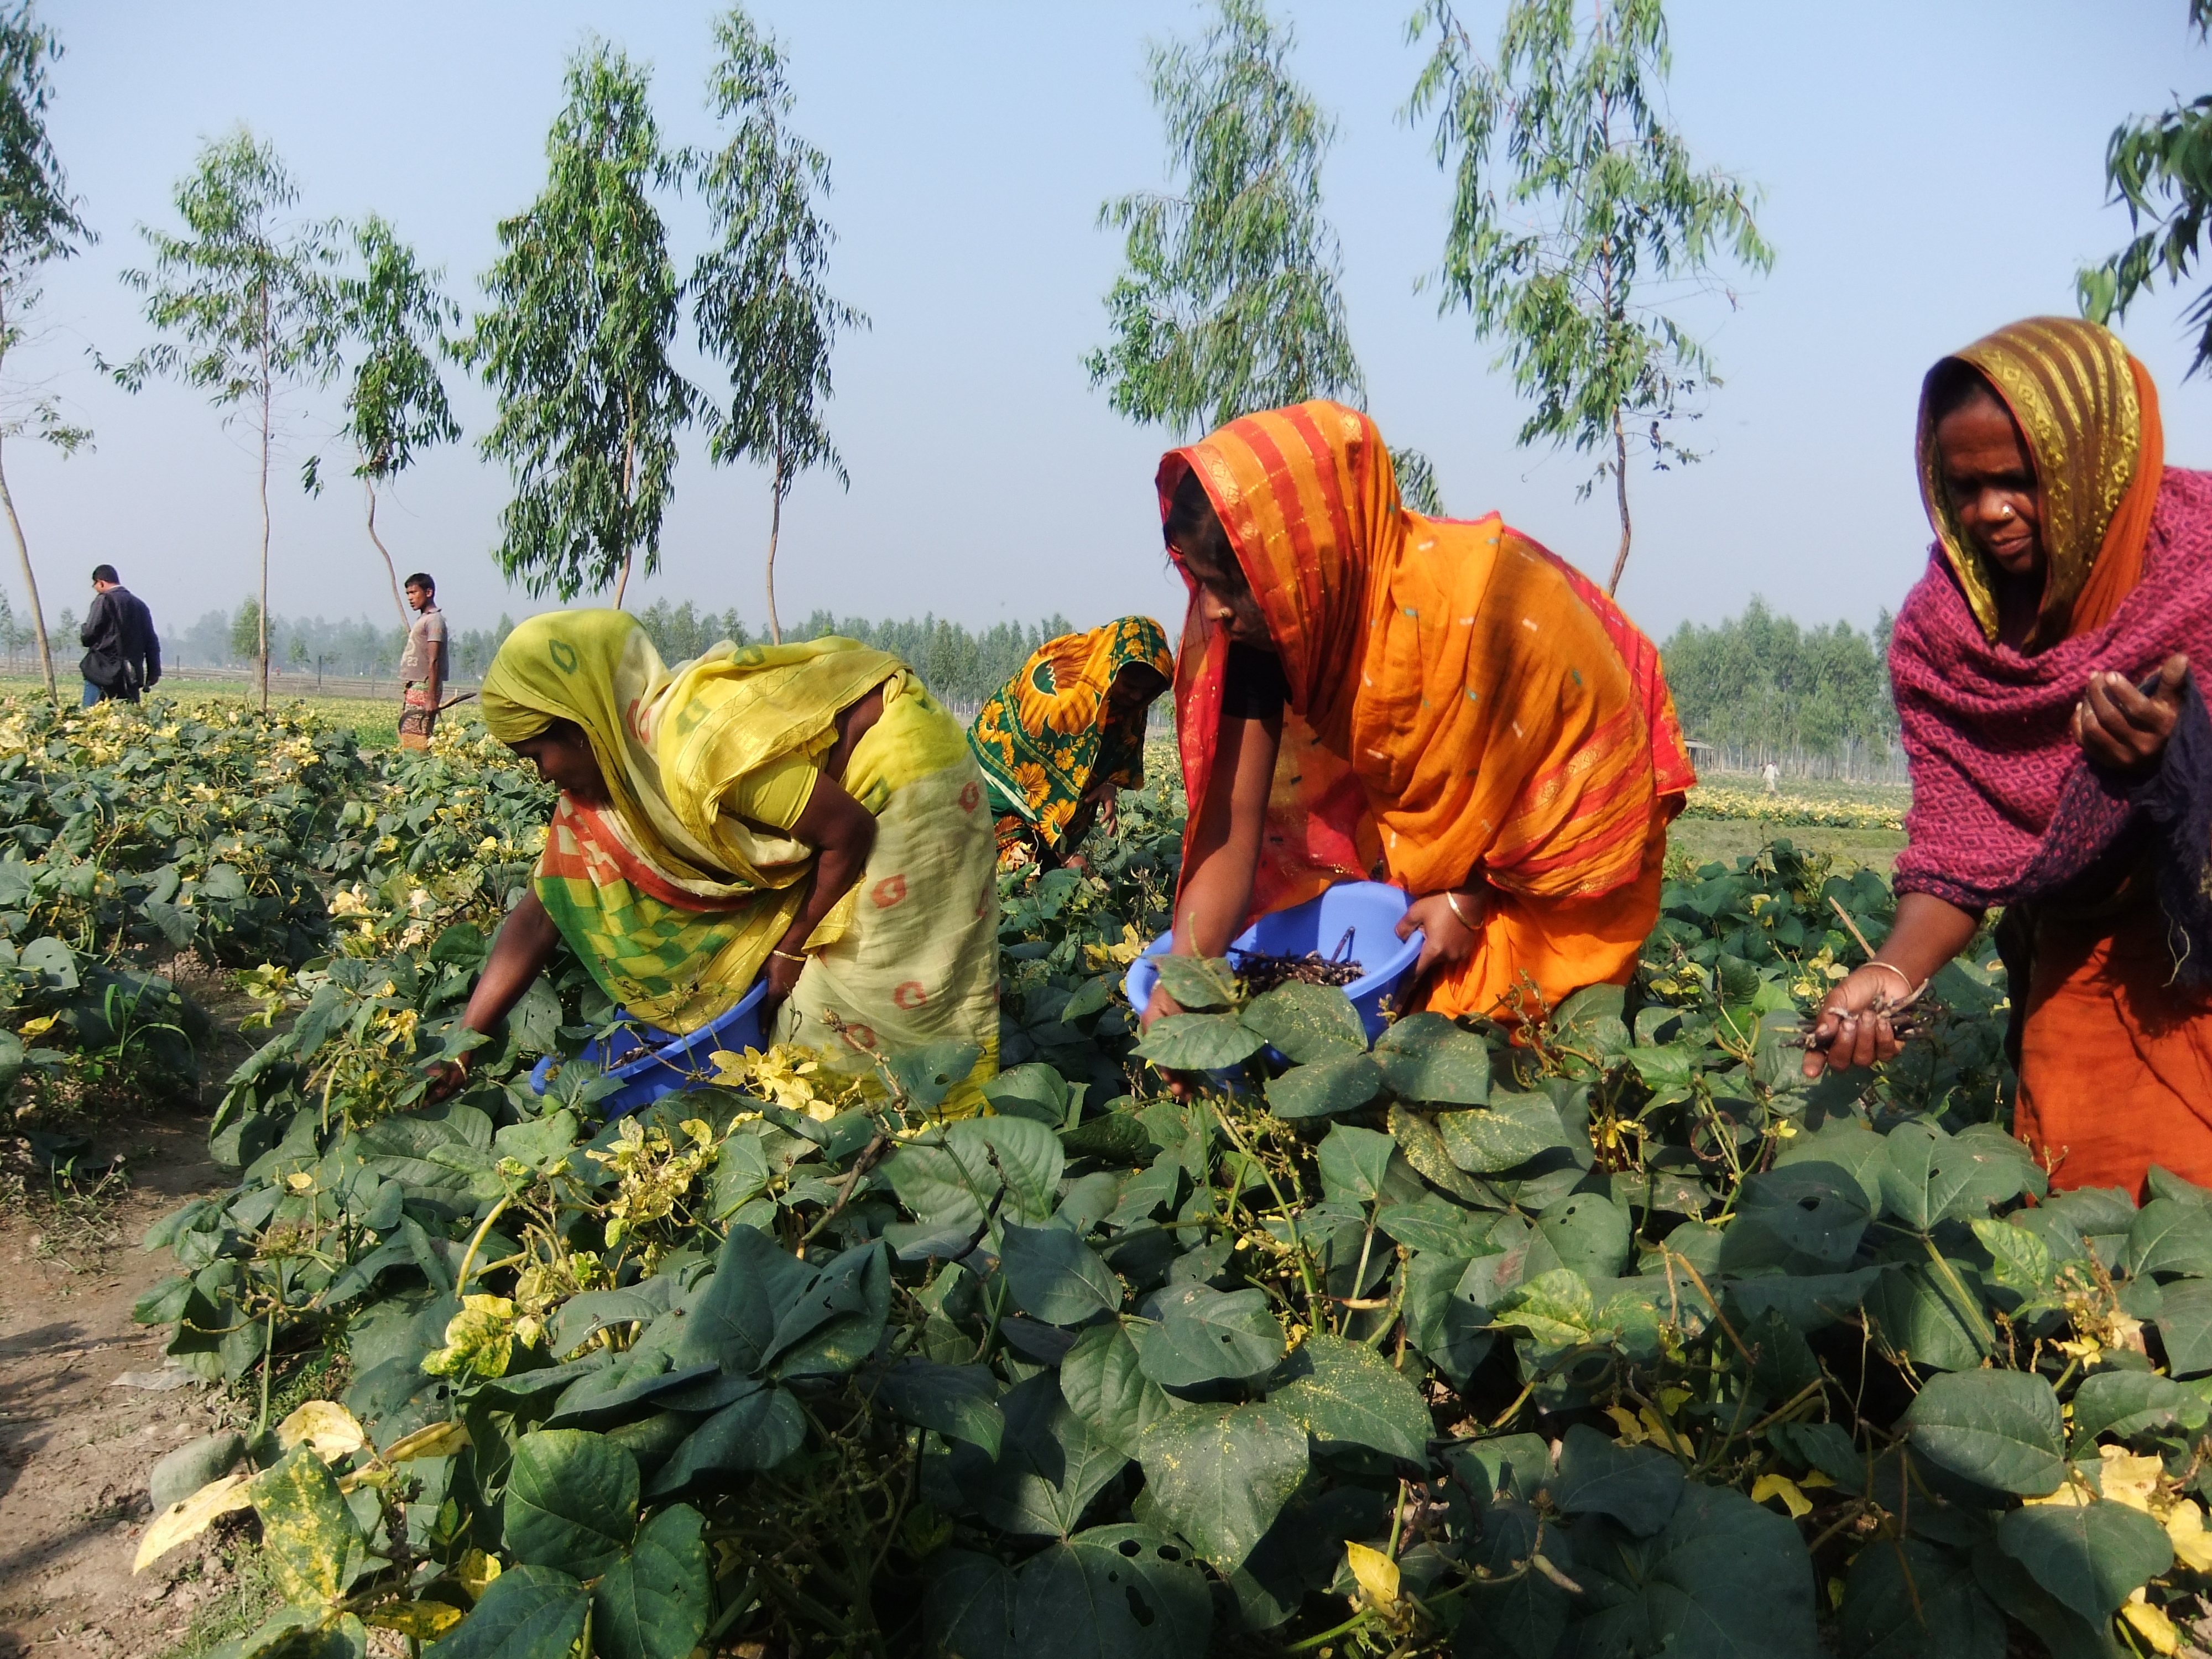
column 790, row 955
column 1910, row 990
column 1452, row 899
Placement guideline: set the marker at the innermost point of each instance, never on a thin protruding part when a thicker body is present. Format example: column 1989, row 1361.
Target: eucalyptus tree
column 249, row 294
column 38, row 221
column 393, row 308
column 2162, row 169
column 760, row 297
column 1231, row 299
column 1576, row 215
column 583, row 305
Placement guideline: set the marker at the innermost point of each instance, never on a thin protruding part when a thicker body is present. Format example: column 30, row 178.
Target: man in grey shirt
column 423, row 666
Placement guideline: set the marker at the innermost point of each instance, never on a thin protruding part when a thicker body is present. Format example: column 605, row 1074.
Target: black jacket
column 123, row 653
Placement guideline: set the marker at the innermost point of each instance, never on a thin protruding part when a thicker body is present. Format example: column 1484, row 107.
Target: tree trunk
column 390, row 569
column 629, row 545
column 774, row 530
column 261, row 666
column 1620, row 483
column 31, row 585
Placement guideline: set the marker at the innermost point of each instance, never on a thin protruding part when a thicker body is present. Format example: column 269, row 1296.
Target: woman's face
column 1135, row 689
column 1226, row 597
column 564, row 759
column 1990, row 479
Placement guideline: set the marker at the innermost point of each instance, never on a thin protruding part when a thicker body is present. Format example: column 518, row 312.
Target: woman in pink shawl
column 2061, row 756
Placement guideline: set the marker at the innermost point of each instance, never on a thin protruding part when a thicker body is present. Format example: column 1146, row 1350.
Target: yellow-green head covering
column 2090, row 419
column 673, row 743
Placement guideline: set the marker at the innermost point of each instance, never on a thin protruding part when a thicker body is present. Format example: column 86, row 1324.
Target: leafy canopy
column 394, row 309
column 1573, row 202
column 2162, row 169
column 247, row 292
column 575, row 344
column 1232, row 301
column 760, row 299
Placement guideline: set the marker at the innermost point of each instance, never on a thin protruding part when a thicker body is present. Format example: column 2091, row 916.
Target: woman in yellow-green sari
column 808, row 811
column 1056, row 741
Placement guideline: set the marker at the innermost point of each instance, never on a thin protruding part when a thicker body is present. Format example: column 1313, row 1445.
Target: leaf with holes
column 1223, row 1474
column 1206, row 1335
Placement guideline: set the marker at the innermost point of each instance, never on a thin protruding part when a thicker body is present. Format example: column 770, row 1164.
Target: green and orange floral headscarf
column 1045, row 738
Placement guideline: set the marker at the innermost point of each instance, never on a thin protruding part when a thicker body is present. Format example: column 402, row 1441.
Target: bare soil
column 76, row 1448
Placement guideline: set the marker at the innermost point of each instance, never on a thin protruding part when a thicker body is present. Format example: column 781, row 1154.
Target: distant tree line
column 960, row 666
column 1759, row 687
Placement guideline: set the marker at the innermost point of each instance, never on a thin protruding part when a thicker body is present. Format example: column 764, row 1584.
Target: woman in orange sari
column 2060, row 756
column 1364, row 691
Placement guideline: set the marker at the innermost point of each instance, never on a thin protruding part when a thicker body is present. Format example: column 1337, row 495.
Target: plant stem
column 468, row 1256
column 268, row 1359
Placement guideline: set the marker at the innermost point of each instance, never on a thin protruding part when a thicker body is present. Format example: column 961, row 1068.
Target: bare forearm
column 1929, row 932
column 835, row 870
column 525, row 944
column 1217, row 891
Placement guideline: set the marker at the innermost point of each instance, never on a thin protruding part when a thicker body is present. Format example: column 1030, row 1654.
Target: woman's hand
column 1160, row 1004
column 447, row 1079
column 1850, row 1032
column 2120, row 727
column 1446, row 934
column 782, row 973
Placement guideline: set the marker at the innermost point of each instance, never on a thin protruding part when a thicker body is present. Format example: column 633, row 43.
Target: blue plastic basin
column 648, row 1062
column 1371, row 909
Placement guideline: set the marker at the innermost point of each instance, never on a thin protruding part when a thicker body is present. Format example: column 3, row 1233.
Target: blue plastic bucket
column 1370, row 910
column 648, row 1062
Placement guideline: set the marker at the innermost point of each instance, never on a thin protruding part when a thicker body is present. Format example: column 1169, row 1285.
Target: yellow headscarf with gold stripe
column 673, row 743
column 2089, row 415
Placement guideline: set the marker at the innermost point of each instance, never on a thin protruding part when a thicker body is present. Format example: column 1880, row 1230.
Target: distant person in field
column 803, row 813
column 1362, row 688
column 1773, row 775
column 422, row 664
column 2060, row 753
column 1058, row 739
column 123, row 654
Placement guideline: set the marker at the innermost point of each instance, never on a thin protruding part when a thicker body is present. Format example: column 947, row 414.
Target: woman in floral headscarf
column 2062, row 762
column 1068, row 730
column 1365, row 689
column 805, row 813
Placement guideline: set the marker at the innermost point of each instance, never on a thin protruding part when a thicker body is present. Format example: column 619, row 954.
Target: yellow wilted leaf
column 38, row 1027
column 437, row 1440
column 299, row 1181
column 1782, row 1486
column 327, row 1426
column 190, row 1517
column 423, row 1620
column 1673, row 1399
column 1377, row 1572
column 2184, row 1528
column 1631, row 1430
column 2127, row 1478
column 2152, row 1624
column 474, row 1572
column 1815, row 1478
column 2071, row 1496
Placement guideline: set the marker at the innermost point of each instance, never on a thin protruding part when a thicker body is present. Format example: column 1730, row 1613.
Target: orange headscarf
column 1462, row 704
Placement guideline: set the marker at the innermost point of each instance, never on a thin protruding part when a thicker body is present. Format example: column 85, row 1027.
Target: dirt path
column 75, row 1447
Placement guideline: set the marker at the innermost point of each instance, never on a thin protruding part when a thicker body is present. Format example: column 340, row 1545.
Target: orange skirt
column 2116, row 1062
column 1534, row 954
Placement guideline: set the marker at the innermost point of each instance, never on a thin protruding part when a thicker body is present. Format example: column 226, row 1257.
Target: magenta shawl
column 2004, row 803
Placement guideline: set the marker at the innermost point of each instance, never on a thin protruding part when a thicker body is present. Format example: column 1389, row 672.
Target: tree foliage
column 2162, row 169
column 1231, row 299
column 760, row 298
column 40, row 221
column 1573, row 202
column 1760, row 686
column 583, row 305
column 393, row 308
column 248, row 294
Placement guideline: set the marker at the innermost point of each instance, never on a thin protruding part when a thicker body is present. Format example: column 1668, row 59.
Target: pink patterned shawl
column 2004, row 803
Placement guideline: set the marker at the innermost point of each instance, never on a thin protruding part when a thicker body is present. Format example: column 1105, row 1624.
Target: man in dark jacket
column 121, row 656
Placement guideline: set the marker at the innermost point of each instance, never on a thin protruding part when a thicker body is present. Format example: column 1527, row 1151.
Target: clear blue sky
column 1930, row 171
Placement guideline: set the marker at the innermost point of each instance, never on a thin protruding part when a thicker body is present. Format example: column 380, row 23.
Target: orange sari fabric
column 1462, row 704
